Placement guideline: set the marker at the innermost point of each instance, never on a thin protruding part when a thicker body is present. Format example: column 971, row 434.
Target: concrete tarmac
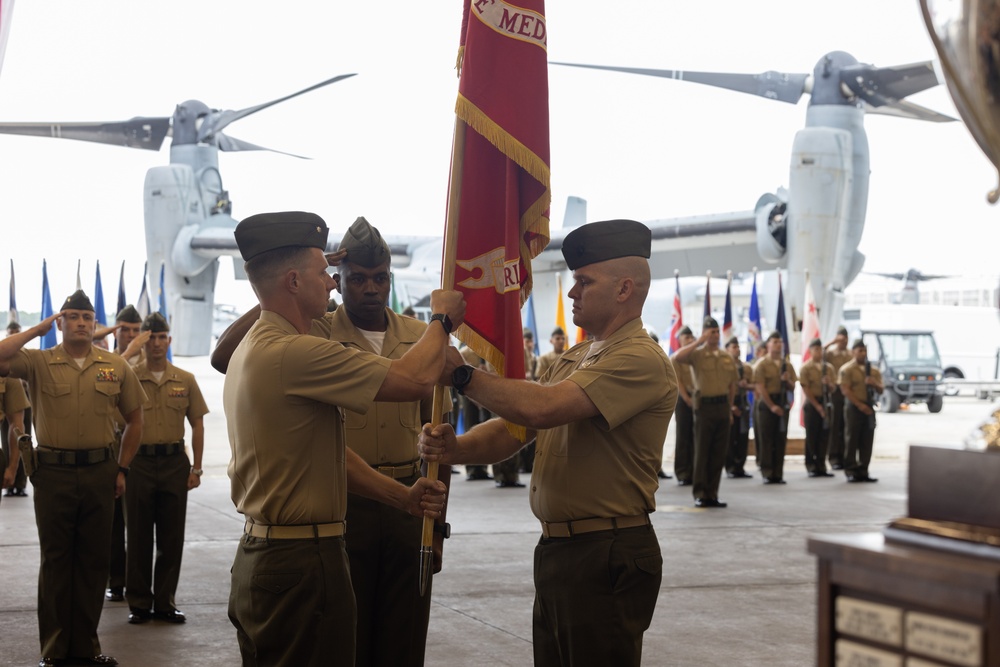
column 738, row 588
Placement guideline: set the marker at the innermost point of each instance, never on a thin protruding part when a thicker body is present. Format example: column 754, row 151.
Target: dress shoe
column 114, row 595
column 866, row 478
column 683, row 482
column 825, row 473
column 740, row 474
column 172, row 616
column 708, row 502
column 100, row 659
column 476, row 476
column 663, row 475
column 510, row 485
column 21, row 492
column 854, row 480
column 837, row 466
column 10, row 492
column 774, row 480
column 48, row 662
column 138, row 616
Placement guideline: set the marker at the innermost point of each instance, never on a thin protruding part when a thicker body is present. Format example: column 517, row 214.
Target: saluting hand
column 43, row 327
column 335, row 258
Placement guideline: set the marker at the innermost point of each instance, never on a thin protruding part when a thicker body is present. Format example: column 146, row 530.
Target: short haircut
column 269, row 265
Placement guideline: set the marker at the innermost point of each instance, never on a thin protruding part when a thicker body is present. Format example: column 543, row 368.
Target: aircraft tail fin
column 576, row 212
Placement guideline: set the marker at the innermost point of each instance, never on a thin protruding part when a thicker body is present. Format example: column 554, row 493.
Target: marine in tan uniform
column 684, row 417
column 75, row 390
column 715, row 377
column 836, row 354
column 161, row 475
column 285, row 395
column 18, row 482
column 13, row 403
column 773, row 376
column 129, row 342
column 558, row 342
column 817, row 380
column 855, row 379
column 739, row 432
column 601, row 416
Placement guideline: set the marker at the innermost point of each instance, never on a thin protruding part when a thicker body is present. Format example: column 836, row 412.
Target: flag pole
column 447, row 283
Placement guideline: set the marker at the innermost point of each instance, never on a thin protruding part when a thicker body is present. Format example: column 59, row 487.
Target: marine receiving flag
column 49, row 339
column 498, row 211
column 753, row 326
column 12, row 313
column 727, row 322
column 677, row 316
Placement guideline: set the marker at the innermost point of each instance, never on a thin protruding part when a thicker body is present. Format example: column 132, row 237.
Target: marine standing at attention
column 291, row 599
column 76, row 390
column 601, row 416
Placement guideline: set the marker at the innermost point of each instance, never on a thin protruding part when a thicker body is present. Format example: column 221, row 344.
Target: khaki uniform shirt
column 545, row 362
column 853, row 375
column 685, row 375
column 713, row 371
column 811, row 377
column 606, row 466
column 175, row 396
column 12, row 397
column 747, row 376
column 768, row 372
column 74, row 407
column 387, row 433
column 530, row 365
column 284, row 397
column 837, row 358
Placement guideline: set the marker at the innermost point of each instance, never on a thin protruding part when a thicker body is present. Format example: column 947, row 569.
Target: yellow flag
column 560, row 315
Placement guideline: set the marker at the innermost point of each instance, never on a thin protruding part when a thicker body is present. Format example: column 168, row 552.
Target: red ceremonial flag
column 727, row 322
column 499, row 173
column 676, row 317
column 810, row 323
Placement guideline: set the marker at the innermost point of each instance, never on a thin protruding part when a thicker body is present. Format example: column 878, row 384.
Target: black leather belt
column 400, row 471
column 714, row 400
column 73, row 457
column 161, row 449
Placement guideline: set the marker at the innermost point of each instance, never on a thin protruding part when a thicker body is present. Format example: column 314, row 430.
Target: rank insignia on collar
column 107, row 375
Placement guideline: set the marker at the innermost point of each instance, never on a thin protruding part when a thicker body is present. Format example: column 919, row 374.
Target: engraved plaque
column 945, row 639
column 876, row 622
column 849, row 654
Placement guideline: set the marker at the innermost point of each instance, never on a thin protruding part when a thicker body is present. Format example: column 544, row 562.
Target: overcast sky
column 632, row 146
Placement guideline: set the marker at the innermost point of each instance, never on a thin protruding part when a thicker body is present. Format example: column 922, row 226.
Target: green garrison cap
column 285, row 229
column 816, row 342
column 364, row 245
column 685, row 331
column 841, row 331
column 128, row 314
column 774, row 334
column 156, row 323
column 709, row 323
column 858, row 343
column 601, row 241
column 732, row 341
column 78, row 301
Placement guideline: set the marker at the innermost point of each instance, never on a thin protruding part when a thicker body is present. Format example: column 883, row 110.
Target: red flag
column 727, row 322
column 500, row 173
column 677, row 317
column 810, row 323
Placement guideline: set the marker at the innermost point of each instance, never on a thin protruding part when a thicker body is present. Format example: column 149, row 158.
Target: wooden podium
column 926, row 591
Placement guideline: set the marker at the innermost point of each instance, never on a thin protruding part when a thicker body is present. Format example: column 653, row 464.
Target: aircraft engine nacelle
column 771, row 214
column 174, row 211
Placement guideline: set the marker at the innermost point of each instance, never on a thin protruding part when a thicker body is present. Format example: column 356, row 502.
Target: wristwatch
column 444, row 320
column 197, row 471
column 460, row 377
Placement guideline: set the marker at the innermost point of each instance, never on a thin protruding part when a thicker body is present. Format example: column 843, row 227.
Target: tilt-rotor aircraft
column 816, row 224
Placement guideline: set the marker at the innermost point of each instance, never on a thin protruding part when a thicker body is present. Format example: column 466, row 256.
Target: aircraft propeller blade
column 879, row 86
column 904, row 109
column 142, row 132
column 232, row 145
column 772, row 85
column 226, row 117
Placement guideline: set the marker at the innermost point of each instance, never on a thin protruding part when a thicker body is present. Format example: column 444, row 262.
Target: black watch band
column 444, row 320
column 461, row 377
column 123, row 470
column 443, row 528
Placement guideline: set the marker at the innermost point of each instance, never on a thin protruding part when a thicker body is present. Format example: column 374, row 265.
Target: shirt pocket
column 107, row 397
column 55, row 397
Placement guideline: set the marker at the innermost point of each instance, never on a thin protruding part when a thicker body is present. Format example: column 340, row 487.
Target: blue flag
column 99, row 314
column 529, row 320
column 49, row 339
column 163, row 304
column 12, row 313
column 753, row 329
column 121, row 291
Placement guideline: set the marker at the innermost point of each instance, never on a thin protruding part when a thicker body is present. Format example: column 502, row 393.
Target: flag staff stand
column 447, row 283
